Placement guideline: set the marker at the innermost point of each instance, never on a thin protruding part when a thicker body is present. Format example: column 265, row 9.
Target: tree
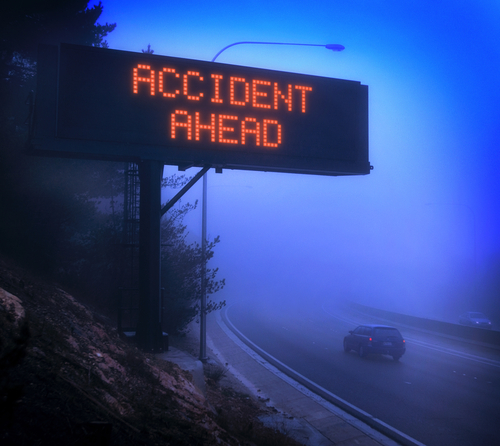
column 181, row 273
column 52, row 214
column 24, row 24
column 95, row 260
column 42, row 201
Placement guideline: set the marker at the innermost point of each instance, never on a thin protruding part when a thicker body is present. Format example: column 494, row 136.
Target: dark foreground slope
column 66, row 378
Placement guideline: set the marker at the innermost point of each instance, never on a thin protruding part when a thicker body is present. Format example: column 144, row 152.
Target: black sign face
column 101, row 103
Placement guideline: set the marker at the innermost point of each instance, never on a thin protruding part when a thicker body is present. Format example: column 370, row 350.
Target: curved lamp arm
column 330, row 46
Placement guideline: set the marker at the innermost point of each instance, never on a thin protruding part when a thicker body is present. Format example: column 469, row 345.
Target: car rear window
column 383, row 331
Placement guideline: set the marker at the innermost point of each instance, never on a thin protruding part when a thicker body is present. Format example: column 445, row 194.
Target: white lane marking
column 463, row 355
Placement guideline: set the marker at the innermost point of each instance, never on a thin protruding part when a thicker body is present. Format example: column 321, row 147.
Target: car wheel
column 346, row 347
column 362, row 352
column 396, row 358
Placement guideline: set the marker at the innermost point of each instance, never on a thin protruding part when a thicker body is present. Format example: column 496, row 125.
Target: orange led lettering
column 266, row 143
column 186, row 76
column 198, row 126
column 279, row 94
column 150, row 79
column 303, row 95
column 217, row 78
column 256, row 93
column 161, row 83
column 234, row 80
column 223, row 128
column 186, row 124
column 255, row 131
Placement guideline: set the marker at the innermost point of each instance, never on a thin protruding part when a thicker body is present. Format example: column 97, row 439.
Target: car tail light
column 370, row 340
column 404, row 342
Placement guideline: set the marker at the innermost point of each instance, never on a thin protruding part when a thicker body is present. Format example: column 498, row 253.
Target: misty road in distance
column 441, row 392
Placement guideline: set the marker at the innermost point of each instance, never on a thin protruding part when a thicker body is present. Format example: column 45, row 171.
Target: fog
column 420, row 233
column 289, row 237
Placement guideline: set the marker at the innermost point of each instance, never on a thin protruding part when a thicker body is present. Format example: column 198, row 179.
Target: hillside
column 66, row 378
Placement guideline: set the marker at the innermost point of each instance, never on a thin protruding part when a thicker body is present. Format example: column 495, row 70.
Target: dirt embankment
column 66, row 378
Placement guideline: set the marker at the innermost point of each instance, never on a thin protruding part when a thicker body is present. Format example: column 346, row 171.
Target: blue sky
column 421, row 232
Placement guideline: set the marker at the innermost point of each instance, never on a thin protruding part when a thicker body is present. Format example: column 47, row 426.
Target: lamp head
column 335, row 47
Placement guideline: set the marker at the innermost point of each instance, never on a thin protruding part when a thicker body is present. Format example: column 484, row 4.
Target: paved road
column 442, row 392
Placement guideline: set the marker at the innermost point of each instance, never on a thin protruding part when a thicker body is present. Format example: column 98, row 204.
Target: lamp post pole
column 203, row 315
column 203, row 303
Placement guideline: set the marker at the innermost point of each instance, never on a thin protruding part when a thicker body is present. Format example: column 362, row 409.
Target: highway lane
column 442, row 392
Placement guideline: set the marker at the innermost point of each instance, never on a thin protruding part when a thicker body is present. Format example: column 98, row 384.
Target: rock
column 11, row 305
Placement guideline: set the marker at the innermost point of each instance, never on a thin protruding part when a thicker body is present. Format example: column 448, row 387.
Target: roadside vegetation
column 65, row 217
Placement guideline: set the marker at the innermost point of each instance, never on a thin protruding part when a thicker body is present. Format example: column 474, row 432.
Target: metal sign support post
column 149, row 332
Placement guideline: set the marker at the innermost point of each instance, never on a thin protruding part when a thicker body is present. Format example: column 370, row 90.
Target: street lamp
column 203, row 316
column 329, row 46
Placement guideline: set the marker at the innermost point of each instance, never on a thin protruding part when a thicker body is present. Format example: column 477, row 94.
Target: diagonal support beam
column 188, row 186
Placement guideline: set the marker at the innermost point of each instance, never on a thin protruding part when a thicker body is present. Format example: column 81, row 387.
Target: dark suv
column 381, row 339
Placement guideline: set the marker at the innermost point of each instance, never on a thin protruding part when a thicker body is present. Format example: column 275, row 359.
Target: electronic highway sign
column 108, row 104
